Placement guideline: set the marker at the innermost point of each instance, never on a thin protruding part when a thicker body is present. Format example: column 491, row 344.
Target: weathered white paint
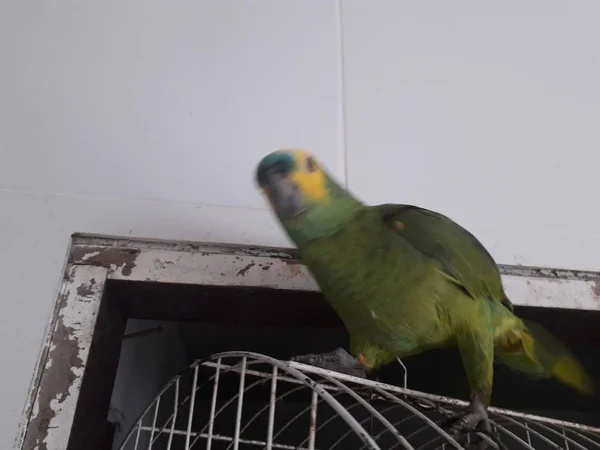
column 211, row 264
column 218, row 269
column 210, row 267
column 153, row 129
column 77, row 315
column 553, row 293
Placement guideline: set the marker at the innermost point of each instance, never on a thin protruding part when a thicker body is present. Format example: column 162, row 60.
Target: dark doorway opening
column 168, row 326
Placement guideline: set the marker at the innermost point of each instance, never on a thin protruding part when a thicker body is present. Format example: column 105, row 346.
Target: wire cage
column 244, row 401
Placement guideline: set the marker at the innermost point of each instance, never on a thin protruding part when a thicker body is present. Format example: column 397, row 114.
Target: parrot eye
column 311, row 165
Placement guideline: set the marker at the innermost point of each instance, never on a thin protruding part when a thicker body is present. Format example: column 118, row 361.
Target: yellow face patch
column 309, row 177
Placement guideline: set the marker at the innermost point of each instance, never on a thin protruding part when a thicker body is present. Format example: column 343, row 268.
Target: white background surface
column 146, row 119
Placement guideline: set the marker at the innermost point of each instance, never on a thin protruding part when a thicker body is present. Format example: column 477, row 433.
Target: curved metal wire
column 242, row 400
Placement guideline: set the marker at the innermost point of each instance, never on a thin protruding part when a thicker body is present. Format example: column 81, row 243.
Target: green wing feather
column 463, row 258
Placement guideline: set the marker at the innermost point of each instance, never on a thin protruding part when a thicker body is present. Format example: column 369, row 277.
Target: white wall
column 146, row 118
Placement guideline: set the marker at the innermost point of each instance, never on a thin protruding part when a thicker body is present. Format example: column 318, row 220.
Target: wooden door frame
column 84, row 330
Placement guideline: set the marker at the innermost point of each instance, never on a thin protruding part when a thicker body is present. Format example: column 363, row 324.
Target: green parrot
column 404, row 279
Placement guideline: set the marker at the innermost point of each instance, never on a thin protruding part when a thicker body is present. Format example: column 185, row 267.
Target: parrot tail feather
column 540, row 355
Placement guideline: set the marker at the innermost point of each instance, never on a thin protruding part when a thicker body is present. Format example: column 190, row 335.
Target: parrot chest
column 383, row 291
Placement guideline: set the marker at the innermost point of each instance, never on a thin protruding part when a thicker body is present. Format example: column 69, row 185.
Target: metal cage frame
column 326, row 388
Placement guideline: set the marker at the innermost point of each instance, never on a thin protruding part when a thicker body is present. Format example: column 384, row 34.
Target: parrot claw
column 338, row 360
column 476, row 417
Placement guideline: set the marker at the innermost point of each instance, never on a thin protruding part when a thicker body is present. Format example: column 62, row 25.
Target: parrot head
column 293, row 181
column 307, row 200
column 309, row 203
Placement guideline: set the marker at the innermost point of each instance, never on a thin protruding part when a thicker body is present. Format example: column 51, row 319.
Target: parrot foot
column 475, row 418
column 338, row 360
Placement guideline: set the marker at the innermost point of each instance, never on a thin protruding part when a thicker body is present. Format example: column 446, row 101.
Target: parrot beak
column 273, row 177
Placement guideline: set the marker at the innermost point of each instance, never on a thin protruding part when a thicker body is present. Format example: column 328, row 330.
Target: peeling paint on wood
column 90, row 242
column 552, row 293
column 94, row 259
column 542, row 272
column 39, row 369
column 253, row 271
column 56, row 398
column 596, row 289
column 122, row 259
column 218, row 269
column 98, row 242
column 243, row 270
